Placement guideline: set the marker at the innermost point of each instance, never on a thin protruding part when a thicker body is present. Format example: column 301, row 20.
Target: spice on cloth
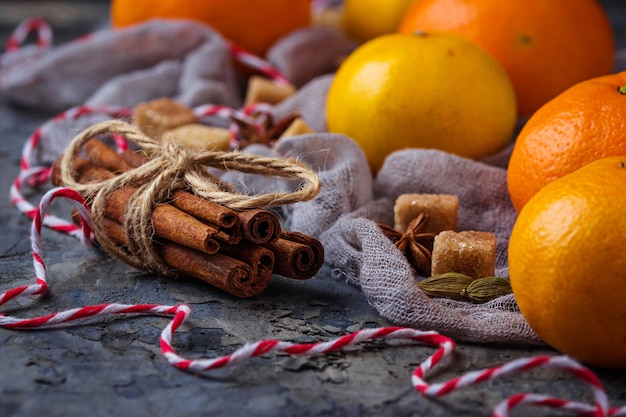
column 414, row 243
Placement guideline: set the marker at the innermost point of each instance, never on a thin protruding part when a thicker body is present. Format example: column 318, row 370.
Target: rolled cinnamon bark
column 168, row 221
column 102, row 155
column 205, row 210
column 224, row 272
column 228, row 274
column 298, row 255
column 86, row 172
column 256, row 225
column 259, row 226
column 115, row 231
column 222, row 217
column 260, row 259
column 133, row 158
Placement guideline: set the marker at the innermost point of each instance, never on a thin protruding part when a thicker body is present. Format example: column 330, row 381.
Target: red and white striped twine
column 26, row 27
column 33, row 176
column 257, row 63
column 248, row 114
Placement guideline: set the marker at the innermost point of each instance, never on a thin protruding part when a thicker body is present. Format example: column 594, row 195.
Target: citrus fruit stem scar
column 622, row 89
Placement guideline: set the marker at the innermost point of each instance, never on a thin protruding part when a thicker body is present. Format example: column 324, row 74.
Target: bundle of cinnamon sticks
column 236, row 251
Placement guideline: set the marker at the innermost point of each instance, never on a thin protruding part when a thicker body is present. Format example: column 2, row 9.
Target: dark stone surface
column 113, row 366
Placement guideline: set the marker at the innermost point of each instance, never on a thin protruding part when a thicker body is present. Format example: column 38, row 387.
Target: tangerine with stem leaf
column 585, row 123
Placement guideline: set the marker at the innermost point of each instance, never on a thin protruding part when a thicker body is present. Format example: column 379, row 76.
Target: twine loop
column 170, row 168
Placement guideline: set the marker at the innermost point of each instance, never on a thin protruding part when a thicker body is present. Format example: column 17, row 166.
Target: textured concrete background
column 114, row 367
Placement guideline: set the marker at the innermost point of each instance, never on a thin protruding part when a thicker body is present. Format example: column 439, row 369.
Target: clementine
column 567, row 267
column 253, row 25
column 545, row 46
column 434, row 91
column 584, row 123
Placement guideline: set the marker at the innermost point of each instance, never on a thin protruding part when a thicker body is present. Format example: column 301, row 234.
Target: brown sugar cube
column 442, row 211
column 469, row 252
column 297, row 127
column 157, row 116
column 199, row 137
column 264, row 90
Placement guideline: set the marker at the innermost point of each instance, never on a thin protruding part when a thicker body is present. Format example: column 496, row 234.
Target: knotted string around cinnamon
column 172, row 168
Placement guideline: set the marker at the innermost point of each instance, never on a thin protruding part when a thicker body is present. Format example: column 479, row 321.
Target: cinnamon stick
column 133, row 158
column 259, row 226
column 86, row 172
column 168, row 221
column 115, row 231
column 261, row 259
column 205, row 210
column 226, row 273
column 298, row 255
column 102, row 155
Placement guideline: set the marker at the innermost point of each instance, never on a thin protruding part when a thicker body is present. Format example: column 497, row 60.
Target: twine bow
column 171, row 168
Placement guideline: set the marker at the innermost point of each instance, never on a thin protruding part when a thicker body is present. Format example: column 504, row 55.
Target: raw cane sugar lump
column 469, row 252
column 442, row 211
column 199, row 137
column 157, row 116
column 264, row 90
column 297, row 127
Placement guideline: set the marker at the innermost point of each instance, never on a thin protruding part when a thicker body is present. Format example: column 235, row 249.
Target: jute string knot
column 171, row 168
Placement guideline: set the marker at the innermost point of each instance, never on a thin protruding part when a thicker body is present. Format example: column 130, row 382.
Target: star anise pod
column 265, row 132
column 416, row 245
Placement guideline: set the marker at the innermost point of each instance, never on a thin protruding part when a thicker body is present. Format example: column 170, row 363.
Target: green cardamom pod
column 485, row 289
column 447, row 285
